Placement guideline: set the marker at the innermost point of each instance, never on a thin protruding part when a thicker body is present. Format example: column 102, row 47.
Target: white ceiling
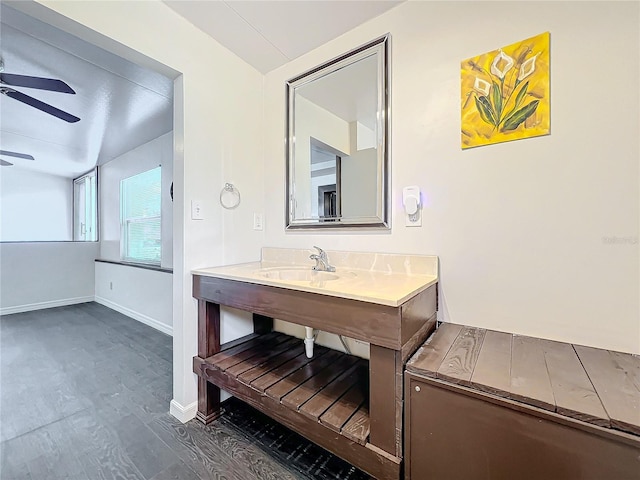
column 121, row 105
column 268, row 34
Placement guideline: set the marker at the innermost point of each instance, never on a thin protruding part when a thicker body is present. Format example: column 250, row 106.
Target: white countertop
column 384, row 279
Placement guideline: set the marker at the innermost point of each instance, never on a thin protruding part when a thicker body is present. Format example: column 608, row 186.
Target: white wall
column 218, row 138
column 35, row 206
column 314, row 121
column 359, row 172
column 139, row 293
column 537, row 236
column 157, row 152
column 45, row 275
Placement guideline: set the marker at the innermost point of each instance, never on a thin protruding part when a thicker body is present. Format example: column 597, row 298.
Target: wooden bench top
column 589, row 384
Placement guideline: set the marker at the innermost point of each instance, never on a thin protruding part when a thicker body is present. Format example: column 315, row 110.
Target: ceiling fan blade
column 4, row 163
column 45, row 107
column 17, row 155
column 35, row 82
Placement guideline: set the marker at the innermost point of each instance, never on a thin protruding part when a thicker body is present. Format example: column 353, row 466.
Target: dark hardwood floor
column 85, row 392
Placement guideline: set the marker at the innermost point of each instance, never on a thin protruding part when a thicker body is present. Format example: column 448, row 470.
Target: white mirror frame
column 380, row 47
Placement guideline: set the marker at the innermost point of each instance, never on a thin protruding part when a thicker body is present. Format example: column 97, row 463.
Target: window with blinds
column 140, row 217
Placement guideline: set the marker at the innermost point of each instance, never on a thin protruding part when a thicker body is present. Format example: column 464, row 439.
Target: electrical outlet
column 196, row 210
column 257, row 221
column 414, row 220
column 412, row 203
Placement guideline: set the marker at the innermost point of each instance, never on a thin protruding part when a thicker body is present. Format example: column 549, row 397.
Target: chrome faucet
column 322, row 262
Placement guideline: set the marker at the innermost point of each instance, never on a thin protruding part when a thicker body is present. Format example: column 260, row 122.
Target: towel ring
column 229, row 196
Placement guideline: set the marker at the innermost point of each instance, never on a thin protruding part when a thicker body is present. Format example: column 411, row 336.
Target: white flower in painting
column 527, row 68
column 482, row 86
column 501, row 65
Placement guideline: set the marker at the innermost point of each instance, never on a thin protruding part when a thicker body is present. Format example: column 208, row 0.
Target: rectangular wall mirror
column 337, row 142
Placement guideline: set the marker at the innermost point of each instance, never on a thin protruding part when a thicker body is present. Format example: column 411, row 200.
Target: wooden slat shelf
column 331, row 388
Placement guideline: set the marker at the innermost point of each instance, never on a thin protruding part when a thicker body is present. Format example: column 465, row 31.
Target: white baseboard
column 152, row 322
column 42, row 305
column 184, row 414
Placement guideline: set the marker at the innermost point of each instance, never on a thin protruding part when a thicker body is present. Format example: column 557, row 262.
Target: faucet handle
column 320, row 251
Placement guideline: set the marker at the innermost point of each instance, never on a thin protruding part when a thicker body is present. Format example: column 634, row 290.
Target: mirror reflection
column 337, row 146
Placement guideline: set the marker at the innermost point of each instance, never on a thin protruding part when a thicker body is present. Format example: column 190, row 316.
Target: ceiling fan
column 39, row 83
column 7, row 153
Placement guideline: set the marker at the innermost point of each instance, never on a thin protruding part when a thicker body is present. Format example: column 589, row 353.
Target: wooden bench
column 482, row 404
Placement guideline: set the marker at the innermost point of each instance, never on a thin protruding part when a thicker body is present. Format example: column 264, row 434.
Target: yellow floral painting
column 505, row 93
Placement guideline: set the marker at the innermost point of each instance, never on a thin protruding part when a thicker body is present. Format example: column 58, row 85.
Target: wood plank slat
column 218, row 357
column 239, row 341
column 268, row 379
column 342, row 410
column 274, row 362
column 358, row 426
column 429, row 357
column 574, row 394
column 317, row 405
column 530, row 381
column 261, row 347
column 630, row 364
column 615, row 379
column 288, row 383
column 492, row 373
column 315, row 384
column 262, row 357
column 457, row 366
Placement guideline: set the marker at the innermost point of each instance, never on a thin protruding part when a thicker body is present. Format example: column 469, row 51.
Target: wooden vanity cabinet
column 361, row 422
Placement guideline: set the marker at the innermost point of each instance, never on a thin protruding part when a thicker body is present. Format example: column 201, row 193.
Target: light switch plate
column 196, row 210
column 257, row 221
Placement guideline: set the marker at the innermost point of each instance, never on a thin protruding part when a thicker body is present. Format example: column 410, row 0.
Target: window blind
column 140, row 217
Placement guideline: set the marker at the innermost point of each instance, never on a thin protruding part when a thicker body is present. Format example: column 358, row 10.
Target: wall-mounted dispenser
column 411, row 202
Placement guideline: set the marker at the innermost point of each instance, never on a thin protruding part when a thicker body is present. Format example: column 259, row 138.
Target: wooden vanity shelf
column 331, row 388
column 347, row 405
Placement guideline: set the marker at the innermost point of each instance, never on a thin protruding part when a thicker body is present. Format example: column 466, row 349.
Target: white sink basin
column 293, row 274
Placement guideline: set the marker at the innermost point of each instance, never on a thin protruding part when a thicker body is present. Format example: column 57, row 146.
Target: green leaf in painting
column 492, row 113
column 486, row 111
column 521, row 94
column 513, row 121
column 496, row 93
column 518, row 100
